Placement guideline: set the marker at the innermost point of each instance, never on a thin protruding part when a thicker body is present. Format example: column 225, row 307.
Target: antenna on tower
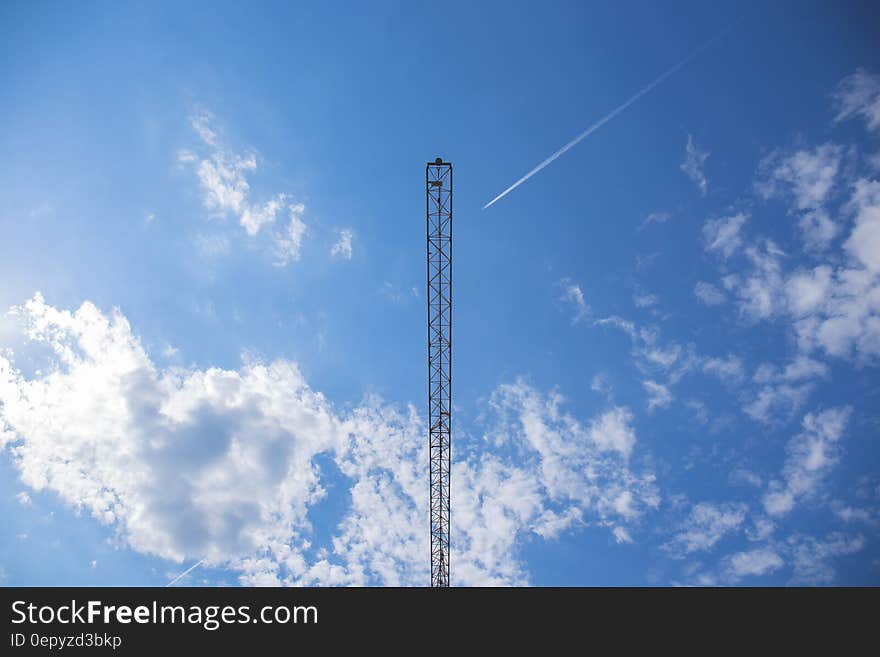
column 438, row 208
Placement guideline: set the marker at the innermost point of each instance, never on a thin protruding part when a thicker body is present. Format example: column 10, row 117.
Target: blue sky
column 212, row 257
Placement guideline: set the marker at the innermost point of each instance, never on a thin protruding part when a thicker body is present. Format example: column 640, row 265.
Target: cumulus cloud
column 227, row 465
column 211, row 463
column 694, row 162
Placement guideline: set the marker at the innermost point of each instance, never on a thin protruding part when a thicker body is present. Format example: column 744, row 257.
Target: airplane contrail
column 185, row 572
column 605, row 119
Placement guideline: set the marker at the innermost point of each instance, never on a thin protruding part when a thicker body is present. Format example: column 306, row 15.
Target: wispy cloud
column 705, row 526
column 574, row 296
column 859, row 95
column 723, row 235
column 694, row 161
column 224, row 178
column 708, row 293
column 654, row 218
column 810, row 455
column 343, row 247
column 658, row 395
column 288, row 241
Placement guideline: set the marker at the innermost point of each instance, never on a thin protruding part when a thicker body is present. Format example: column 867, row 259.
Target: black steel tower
column 438, row 202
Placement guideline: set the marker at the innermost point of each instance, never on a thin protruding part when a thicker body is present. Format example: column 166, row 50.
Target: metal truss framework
column 438, row 202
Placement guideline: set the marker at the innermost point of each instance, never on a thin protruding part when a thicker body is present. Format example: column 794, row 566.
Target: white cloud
column 23, row 498
column 699, row 409
column 754, row 563
column 185, row 156
column 343, row 247
column 850, row 514
column 811, row 556
column 288, row 242
column 744, row 476
column 708, row 294
column 722, row 235
column 783, row 391
column 622, row 536
column 810, row 455
column 859, row 95
column 864, row 242
column 655, row 218
column 694, row 161
column 846, row 322
column 802, row 368
column 806, row 176
column 211, row 463
column 834, row 308
column 759, row 289
column 612, row 431
column 201, row 123
column 572, row 294
column 728, row 370
column 806, row 291
column 223, row 180
column 226, row 465
column 658, row 395
column 223, row 176
column 645, row 300
column 705, row 526
column 254, row 217
column 762, row 528
column 664, row 357
column 775, row 403
column 817, row 229
column 600, row 384
column 213, row 244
